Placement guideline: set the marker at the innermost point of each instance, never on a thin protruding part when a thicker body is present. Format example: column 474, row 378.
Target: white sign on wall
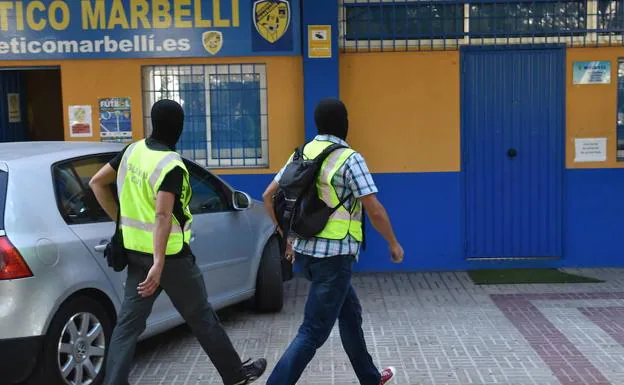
column 590, row 150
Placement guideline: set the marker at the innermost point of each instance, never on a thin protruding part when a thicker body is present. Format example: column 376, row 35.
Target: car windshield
column 4, row 177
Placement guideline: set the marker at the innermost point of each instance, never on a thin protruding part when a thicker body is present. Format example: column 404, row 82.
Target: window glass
column 209, row 194
column 76, row 201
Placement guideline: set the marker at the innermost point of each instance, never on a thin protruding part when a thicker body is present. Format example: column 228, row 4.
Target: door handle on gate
column 512, row 153
column 99, row 248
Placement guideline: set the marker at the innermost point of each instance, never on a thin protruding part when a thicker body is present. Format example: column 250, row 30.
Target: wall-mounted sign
column 590, row 150
column 75, row 29
column 80, row 123
column 115, row 122
column 319, row 41
column 15, row 113
column 592, row 72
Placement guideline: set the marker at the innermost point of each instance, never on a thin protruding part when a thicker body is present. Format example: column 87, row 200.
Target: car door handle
column 100, row 248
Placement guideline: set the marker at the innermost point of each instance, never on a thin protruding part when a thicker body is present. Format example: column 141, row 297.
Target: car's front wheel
column 75, row 346
column 269, row 283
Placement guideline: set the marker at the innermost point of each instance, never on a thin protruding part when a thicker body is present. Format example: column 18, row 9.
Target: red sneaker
column 387, row 375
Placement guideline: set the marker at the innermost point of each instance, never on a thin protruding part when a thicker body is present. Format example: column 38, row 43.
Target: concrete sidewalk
column 437, row 329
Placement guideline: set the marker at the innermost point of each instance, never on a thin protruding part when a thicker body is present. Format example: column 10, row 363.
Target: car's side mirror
column 241, row 201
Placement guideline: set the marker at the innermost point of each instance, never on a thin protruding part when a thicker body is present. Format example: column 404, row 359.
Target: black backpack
column 297, row 206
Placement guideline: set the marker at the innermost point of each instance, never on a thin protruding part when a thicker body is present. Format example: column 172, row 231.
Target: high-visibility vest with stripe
column 343, row 222
column 139, row 177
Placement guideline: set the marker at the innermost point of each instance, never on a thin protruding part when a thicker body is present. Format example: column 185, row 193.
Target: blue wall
column 594, row 218
column 426, row 211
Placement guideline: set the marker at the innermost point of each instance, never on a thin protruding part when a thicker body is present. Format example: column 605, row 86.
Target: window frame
column 53, row 169
column 619, row 100
column 149, row 93
column 4, row 189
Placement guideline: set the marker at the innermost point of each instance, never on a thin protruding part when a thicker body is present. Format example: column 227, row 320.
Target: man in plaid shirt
column 327, row 263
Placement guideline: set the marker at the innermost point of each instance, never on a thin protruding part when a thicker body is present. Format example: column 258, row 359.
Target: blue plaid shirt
column 353, row 177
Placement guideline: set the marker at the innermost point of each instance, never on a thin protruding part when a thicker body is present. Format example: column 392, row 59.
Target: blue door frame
column 513, row 157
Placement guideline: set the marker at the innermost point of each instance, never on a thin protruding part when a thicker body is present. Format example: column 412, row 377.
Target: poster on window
column 80, row 123
column 115, row 120
column 15, row 115
column 592, row 72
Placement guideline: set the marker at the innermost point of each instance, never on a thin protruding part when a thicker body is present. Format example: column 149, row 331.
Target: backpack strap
column 326, row 152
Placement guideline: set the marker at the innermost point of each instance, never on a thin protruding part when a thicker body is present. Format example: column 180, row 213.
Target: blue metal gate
column 513, row 114
column 13, row 126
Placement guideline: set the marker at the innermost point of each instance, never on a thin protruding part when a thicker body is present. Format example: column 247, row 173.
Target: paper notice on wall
column 590, row 150
column 80, row 122
column 15, row 113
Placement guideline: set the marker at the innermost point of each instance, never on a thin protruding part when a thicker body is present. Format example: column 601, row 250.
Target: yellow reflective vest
column 343, row 222
column 138, row 179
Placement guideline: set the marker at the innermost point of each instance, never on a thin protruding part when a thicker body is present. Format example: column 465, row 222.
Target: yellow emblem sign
column 271, row 18
column 213, row 41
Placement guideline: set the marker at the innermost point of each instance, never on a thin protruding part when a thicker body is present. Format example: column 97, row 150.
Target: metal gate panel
column 513, row 111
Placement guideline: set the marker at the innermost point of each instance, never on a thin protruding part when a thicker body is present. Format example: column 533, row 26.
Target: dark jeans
column 184, row 284
column 331, row 298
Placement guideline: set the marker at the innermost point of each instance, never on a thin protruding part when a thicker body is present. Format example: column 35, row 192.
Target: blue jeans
column 331, row 298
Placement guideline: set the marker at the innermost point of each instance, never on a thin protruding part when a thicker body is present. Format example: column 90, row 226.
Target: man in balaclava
column 327, row 258
column 154, row 195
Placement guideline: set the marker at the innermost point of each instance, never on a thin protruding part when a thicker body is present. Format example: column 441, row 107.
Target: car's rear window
column 4, row 177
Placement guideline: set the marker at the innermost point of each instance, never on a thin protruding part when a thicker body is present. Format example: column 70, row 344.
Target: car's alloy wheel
column 81, row 349
column 75, row 344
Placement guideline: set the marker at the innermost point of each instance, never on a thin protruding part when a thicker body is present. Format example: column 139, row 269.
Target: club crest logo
column 271, row 18
column 213, row 41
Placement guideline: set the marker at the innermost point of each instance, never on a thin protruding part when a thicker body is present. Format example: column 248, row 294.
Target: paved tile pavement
column 437, row 329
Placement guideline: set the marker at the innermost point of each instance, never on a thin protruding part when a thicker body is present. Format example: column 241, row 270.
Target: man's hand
column 148, row 287
column 381, row 222
column 290, row 253
column 267, row 196
column 397, row 253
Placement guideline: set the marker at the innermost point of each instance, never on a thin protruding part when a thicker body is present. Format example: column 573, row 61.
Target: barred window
column 521, row 18
column 403, row 20
column 620, row 111
column 225, row 106
column 610, row 16
column 397, row 25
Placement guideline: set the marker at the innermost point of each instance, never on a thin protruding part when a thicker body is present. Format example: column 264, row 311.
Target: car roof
column 52, row 151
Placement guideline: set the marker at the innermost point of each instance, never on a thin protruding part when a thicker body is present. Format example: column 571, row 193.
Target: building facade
column 494, row 129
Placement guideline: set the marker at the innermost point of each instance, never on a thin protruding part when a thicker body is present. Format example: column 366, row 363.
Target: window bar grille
column 393, row 25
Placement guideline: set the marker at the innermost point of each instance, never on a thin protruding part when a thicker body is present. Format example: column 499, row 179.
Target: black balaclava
column 167, row 122
column 331, row 118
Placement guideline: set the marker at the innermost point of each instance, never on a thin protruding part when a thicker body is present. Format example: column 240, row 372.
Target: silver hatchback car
column 58, row 297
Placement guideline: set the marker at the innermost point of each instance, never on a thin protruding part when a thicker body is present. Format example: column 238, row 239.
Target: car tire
column 269, row 284
column 67, row 346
